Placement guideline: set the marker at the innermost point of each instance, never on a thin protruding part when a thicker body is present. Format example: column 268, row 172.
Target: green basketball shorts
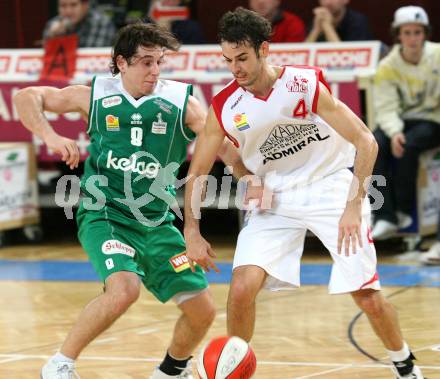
column 116, row 243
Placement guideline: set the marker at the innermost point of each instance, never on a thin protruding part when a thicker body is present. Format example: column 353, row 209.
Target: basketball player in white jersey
column 300, row 140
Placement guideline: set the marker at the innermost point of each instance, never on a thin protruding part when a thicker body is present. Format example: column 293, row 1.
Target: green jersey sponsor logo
column 159, row 126
column 149, row 170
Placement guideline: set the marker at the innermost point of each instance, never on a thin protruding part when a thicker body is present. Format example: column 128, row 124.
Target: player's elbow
column 23, row 95
column 20, row 96
column 225, row 155
column 372, row 145
column 228, row 154
column 367, row 143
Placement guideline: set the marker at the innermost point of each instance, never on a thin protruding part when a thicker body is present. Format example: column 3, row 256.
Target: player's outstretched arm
column 31, row 102
column 208, row 143
column 349, row 126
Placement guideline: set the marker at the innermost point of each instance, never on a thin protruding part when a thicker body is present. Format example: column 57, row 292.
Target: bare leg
column 246, row 283
column 121, row 290
column 198, row 315
column 382, row 316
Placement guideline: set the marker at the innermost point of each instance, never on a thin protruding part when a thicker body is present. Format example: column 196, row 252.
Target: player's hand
column 259, row 195
column 398, row 145
column 66, row 147
column 199, row 251
column 349, row 231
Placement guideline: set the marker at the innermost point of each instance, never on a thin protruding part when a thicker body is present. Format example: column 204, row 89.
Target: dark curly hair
column 132, row 36
column 244, row 26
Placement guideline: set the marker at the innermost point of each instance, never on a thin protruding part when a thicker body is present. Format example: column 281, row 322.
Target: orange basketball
column 226, row 358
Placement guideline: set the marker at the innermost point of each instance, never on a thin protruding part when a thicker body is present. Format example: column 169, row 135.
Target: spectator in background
column 93, row 28
column 407, row 108
column 286, row 26
column 334, row 21
column 187, row 30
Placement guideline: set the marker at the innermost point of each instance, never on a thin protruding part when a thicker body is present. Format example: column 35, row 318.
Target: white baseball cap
column 410, row 15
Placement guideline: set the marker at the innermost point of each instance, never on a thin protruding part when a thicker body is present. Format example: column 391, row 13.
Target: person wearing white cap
column 407, row 108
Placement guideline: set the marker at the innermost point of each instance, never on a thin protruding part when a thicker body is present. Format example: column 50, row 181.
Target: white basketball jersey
column 281, row 138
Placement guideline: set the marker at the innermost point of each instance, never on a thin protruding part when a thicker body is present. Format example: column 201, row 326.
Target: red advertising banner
column 59, row 60
column 205, row 62
column 71, row 125
column 201, row 65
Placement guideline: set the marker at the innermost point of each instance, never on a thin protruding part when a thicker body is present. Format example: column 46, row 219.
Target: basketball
column 226, row 358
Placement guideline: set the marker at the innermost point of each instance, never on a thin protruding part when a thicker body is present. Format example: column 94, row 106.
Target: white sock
column 58, row 357
column 401, row 355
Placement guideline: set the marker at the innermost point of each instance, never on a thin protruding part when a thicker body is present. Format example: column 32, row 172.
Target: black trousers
column 401, row 174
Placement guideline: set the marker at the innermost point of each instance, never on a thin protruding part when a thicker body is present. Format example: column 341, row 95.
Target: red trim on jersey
column 372, row 280
column 369, row 236
column 270, row 93
column 282, row 72
column 218, row 102
column 319, row 78
column 264, row 98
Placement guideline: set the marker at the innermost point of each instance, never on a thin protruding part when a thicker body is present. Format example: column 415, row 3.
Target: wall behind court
column 22, row 22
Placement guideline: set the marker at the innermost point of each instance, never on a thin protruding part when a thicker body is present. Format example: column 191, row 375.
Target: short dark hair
column 244, row 26
column 132, row 36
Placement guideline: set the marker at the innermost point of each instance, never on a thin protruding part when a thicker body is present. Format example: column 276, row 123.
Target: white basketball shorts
column 274, row 239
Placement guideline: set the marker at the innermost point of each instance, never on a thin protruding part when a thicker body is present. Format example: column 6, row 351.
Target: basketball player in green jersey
column 139, row 128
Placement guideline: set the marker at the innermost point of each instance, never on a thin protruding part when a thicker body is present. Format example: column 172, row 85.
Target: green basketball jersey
column 136, row 148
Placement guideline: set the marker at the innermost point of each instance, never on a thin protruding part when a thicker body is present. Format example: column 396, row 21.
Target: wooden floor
column 299, row 334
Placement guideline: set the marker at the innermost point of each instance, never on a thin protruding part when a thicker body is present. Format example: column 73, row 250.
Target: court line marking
column 268, row 363
column 11, row 360
column 148, row 331
column 325, row 372
column 105, row 340
column 377, row 365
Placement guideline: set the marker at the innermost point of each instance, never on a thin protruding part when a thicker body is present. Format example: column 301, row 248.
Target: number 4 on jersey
column 300, row 110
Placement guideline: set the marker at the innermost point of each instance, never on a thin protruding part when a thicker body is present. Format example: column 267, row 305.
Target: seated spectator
column 187, row 31
column 286, row 26
column 407, row 108
column 432, row 256
column 94, row 29
column 334, row 21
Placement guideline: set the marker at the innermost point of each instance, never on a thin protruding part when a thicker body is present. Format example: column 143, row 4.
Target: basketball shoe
column 187, row 373
column 407, row 370
column 58, row 370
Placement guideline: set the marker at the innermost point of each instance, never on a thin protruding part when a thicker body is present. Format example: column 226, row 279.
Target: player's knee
column 206, row 318
column 371, row 304
column 123, row 297
column 240, row 294
column 209, row 314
